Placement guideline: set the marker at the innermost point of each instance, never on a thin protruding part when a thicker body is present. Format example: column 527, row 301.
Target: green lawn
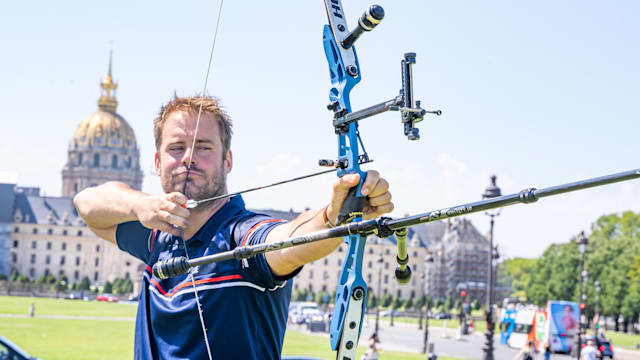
column 45, row 306
column 53, row 339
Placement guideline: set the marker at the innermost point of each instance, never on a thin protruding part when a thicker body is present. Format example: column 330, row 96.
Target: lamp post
column 582, row 242
column 491, row 191
column 379, row 261
column 596, row 325
column 428, row 259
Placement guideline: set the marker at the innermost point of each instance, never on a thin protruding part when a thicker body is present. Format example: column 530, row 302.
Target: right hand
column 163, row 212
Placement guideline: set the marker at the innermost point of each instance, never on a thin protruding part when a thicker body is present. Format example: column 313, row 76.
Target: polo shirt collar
column 234, row 206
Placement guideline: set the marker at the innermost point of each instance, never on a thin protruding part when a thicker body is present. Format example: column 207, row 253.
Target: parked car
column 73, row 296
column 107, row 298
column 9, row 350
column 443, row 316
column 388, row 313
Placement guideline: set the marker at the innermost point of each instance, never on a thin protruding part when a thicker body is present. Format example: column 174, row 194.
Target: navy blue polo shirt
column 245, row 306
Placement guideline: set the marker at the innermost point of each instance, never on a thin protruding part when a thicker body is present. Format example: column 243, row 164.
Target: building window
column 76, row 275
column 324, row 288
column 35, row 230
column 95, row 276
column 114, row 161
column 129, row 162
column 339, row 262
column 78, row 247
column 60, row 273
column 386, row 252
column 326, row 261
column 50, row 231
column 77, row 260
column 64, row 246
column 80, row 159
column 75, row 188
column 370, row 265
column 399, row 293
column 386, row 265
column 415, row 254
column 47, row 259
column 126, row 275
column 62, row 260
column 413, row 294
column 97, row 261
column 16, row 229
column 46, row 272
column 96, row 160
column 127, row 264
column 370, row 251
column 49, row 245
column 32, row 272
column 79, row 232
column 34, row 244
column 65, row 232
column 340, row 249
column 386, row 279
column 97, row 248
column 33, row 258
column 325, row 275
column 14, row 258
column 310, row 274
column 15, row 243
column 368, row 277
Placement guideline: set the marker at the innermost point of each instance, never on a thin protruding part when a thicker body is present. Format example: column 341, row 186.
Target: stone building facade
column 42, row 235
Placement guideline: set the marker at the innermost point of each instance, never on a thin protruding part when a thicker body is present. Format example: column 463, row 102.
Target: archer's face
column 209, row 166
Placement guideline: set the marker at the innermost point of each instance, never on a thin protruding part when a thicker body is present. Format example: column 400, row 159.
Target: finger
column 176, row 209
column 374, row 212
column 173, row 219
column 381, row 187
column 176, row 197
column 380, row 200
column 370, row 182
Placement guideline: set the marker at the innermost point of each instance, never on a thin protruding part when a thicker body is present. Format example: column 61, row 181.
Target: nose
column 188, row 158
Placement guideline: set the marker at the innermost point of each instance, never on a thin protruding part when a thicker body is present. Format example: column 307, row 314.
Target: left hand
column 375, row 188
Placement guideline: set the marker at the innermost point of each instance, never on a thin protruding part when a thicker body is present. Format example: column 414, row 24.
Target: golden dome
column 105, row 129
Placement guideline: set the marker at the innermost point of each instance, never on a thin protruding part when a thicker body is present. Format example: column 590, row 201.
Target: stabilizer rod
column 386, row 226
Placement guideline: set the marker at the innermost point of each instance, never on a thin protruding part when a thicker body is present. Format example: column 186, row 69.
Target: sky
column 537, row 93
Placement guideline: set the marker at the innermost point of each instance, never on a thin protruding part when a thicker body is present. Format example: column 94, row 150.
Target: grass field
column 106, row 331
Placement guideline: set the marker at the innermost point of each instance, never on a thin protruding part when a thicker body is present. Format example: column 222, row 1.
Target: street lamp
column 428, row 259
column 379, row 261
column 596, row 326
column 582, row 242
column 492, row 191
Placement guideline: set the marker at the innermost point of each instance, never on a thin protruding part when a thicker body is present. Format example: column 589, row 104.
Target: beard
column 210, row 185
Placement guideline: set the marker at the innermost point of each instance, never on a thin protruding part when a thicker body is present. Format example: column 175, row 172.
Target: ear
column 156, row 161
column 228, row 161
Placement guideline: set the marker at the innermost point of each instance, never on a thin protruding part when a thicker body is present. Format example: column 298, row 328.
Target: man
column 245, row 302
column 589, row 352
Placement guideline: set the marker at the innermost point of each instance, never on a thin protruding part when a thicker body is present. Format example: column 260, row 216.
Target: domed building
column 103, row 148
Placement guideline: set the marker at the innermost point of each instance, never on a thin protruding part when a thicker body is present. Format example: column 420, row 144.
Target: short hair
column 210, row 106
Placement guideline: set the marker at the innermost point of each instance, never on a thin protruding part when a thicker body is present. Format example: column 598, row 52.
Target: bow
column 351, row 294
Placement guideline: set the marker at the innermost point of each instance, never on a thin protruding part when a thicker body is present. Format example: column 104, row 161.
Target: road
column 408, row 338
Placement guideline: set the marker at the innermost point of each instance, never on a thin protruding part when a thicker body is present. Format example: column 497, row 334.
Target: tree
column 386, row 300
column 13, row 277
column 448, row 304
column 372, row 302
column 23, row 279
column 519, row 272
column 408, row 304
column 84, row 284
column 108, row 288
column 397, row 303
column 421, row 302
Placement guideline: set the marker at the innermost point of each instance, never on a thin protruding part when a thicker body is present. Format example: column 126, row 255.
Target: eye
column 175, row 148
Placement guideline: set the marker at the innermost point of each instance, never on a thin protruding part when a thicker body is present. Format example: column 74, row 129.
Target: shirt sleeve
column 135, row 239
column 253, row 231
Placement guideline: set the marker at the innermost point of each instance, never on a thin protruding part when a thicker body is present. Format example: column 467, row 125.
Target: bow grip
column 354, row 203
